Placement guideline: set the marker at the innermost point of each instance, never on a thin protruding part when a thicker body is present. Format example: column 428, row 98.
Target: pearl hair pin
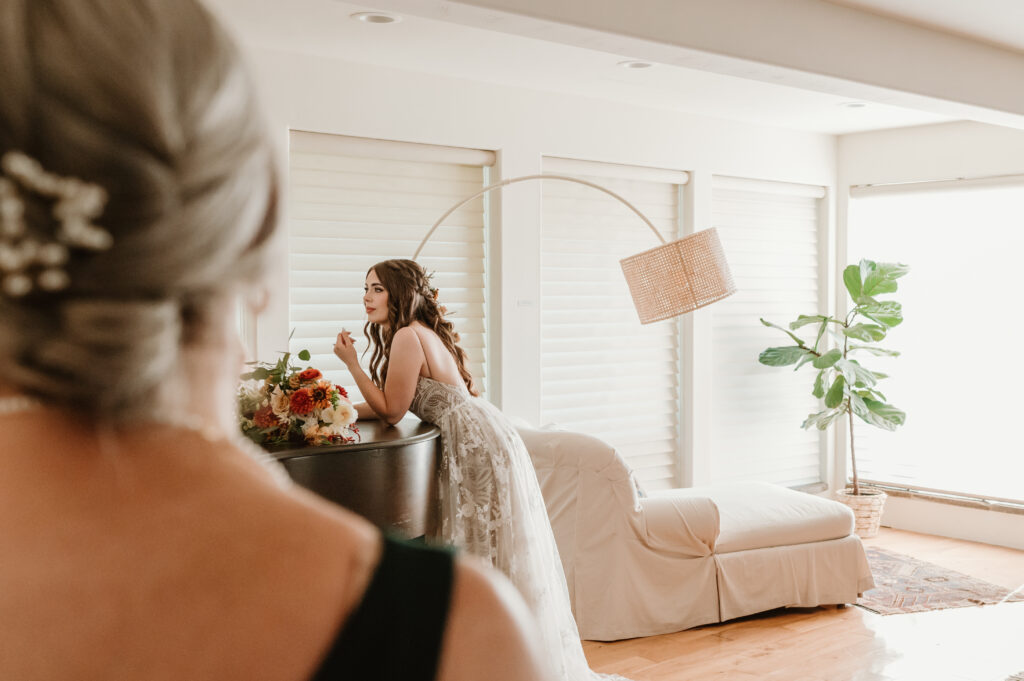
column 26, row 262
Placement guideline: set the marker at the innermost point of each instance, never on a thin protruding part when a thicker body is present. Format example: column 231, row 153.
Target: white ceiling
column 999, row 22
column 431, row 45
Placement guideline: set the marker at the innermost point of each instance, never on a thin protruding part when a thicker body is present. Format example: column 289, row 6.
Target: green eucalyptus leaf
column 784, row 356
column 819, row 385
column 805, row 319
column 795, row 338
column 865, row 332
column 835, row 394
column 828, row 359
column 259, row 373
column 304, row 355
column 879, row 352
column 887, row 313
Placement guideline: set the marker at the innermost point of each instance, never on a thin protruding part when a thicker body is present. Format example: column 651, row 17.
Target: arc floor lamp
column 666, row 281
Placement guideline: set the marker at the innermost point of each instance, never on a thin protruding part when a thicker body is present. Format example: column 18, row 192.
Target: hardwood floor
column 848, row 644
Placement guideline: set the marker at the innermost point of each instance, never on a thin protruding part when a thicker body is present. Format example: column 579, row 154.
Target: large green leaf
column 784, row 356
column 805, row 319
column 892, row 270
column 828, row 359
column 865, row 332
column 853, row 281
column 870, row 394
column 819, row 385
column 883, row 415
column 795, row 338
column 823, row 419
column 888, row 313
column 304, row 355
column 880, row 277
column 821, row 332
column 879, row 352
column 855, row 374
column 835, row 394
column 809, row 357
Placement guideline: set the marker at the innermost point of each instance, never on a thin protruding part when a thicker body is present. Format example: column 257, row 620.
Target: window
column 770, row 233
column 354, row 202
column 602, row 372
column 957, row 376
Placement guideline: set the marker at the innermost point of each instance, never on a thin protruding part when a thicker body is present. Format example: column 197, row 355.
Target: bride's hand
column 345, row 348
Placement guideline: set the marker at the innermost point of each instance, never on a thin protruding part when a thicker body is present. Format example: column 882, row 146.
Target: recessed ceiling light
column 852, row 105
column 635, row 64
column 376, row 17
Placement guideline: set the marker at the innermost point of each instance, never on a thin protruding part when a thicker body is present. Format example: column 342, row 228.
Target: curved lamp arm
column 523, row 178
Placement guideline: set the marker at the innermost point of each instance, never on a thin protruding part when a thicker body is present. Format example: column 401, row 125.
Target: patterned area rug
column 905, row 584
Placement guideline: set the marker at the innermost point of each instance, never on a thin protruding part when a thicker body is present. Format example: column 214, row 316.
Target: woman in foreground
column 140, row 538
column 491, row 504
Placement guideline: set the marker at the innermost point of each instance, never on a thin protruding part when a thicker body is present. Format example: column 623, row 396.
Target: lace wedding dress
column 491, row 506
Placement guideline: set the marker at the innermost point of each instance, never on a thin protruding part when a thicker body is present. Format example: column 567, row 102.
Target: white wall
column 316, row 94
column 932, row 152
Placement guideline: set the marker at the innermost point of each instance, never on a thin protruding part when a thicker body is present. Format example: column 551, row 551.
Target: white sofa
column 644, row 565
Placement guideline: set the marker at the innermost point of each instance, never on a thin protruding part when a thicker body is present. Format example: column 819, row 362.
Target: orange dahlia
column 301, row 401
column 310, row 374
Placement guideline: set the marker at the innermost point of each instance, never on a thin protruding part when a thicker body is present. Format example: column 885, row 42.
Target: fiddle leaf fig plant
column 847, row 387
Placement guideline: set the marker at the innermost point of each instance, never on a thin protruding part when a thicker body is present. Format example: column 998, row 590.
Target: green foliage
column 847, row 387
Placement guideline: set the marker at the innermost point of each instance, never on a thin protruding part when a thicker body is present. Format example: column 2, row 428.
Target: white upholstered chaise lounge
column 644, row 565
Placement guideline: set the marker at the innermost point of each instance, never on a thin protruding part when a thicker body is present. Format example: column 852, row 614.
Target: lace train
column 491, row 506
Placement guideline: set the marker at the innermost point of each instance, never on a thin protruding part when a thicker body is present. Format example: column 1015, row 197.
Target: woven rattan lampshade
column 678, row 277
column 669, row 280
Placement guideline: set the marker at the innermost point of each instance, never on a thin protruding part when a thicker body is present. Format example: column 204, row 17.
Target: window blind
column 353, row 202
column 602, row 372
column 770, row 233
column 962, row 243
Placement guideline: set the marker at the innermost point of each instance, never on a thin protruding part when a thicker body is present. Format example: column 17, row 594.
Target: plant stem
column 853, row 456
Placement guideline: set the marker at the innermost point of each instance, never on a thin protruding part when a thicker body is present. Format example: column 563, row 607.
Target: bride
column 491, row 504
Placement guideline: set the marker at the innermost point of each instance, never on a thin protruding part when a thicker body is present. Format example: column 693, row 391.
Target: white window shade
column 957, row 376
column 770, row 233
column 602, row 372
column 354, row 202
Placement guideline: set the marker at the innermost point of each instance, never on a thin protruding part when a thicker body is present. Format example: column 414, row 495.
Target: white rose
column 279, row 403
column 342, row 416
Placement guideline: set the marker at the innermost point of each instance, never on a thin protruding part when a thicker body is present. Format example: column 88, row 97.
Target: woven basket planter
column 867, row 509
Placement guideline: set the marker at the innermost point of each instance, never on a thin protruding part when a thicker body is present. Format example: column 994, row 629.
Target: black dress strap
column 397, row 630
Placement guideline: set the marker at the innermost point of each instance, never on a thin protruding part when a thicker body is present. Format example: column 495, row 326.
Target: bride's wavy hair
column 410, row 299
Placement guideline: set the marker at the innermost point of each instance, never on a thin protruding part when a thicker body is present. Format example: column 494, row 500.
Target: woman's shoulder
column 416, row 332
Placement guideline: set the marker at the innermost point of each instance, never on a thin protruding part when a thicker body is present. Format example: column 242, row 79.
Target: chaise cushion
column 757, row 515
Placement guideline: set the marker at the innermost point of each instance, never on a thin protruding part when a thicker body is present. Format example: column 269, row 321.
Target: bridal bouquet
column 279, row 403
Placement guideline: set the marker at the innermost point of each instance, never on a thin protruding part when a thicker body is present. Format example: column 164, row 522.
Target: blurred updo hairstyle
column 410, row 299
column 149, row 100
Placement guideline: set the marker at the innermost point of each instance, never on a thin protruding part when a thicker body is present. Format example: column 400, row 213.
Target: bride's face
column 375, row 300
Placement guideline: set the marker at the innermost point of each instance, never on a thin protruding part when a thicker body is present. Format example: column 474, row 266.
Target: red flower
column 265, row 418
column 310, row 374
column 301, row 401
column 341, row 391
